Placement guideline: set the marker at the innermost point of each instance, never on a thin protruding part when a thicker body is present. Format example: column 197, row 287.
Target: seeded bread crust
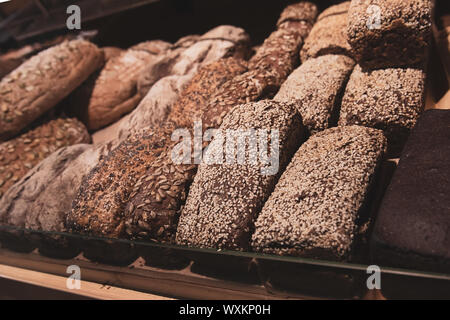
column 44, row 80
column 315, row 88
column 111, row 93
column 403, row 35
column 388, row 99
column 19, row 155
column 329, row 34
column 314, row 209
column 224, row 199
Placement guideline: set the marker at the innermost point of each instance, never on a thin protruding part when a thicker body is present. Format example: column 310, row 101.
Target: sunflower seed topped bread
column 100, row 201
column 153, row 110
column 389, row 33
column 224, row 199
column 314, row 209
column 316, row 87
column 107, row 96
column 19, row 155
column 44, row 80
column 328, row 36
column 389, row 99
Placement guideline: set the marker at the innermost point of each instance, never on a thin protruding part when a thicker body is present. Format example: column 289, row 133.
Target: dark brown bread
column 224, row 199
column 388, row 99
column 44, row 80
column 314, row 209
column 389, row 33
column 112, row 92
column 315, row 88
column 328, row 36
column 412, row 227
column 19, row 155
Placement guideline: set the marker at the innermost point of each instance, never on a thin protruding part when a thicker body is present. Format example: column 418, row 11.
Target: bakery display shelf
column 182, row 272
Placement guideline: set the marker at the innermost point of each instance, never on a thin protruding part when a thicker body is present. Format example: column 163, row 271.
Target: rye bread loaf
column 389, row 99
column 316, row 89
column 314, row 209
column 220, row 42
column 19, row 155
column 225, row 198
column 31, row 203
column 329, row 34
column 44, row 80
column 389, row 33
column 106, row 96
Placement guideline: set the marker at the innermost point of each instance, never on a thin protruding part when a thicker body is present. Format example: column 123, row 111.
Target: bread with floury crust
column 42, row 82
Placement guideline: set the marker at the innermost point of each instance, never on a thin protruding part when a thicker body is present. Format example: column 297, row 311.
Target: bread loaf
column 329, row 34
column 31, row 202
column 220, row 42
column 111, row 52
column 107, row 96
column 19, row 155
column 389, row 33
column 224, row 199
column 102, row 202
column 43, row 81
column 152, row 211
column 316, row 89
column 314, row 209
column 389, row 99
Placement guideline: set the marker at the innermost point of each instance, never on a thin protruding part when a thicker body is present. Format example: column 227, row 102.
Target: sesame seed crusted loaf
column 225, row 199
column 314, row 209
column 328, row 36
column 112, row 92
column 44, row 80
column 220, row 42
column 302, row 11
column 388, row 99
column 315, row 88
column 19, row 155
column 413, row 223
column 389, row 33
